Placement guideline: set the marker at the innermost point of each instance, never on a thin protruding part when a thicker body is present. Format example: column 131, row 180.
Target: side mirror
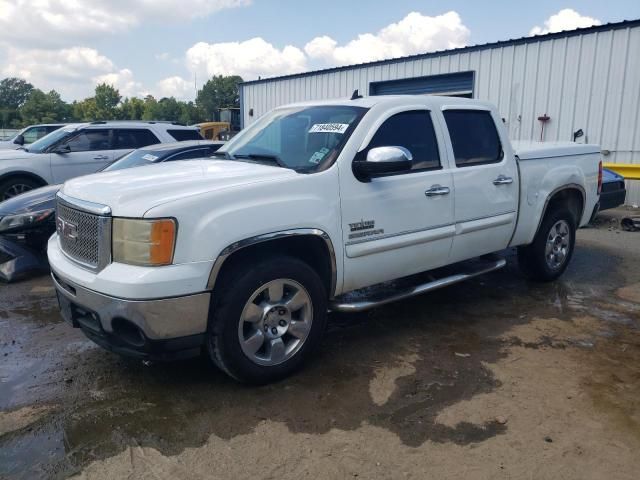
column 19, row 140
column 383, row 161
column 62, row 149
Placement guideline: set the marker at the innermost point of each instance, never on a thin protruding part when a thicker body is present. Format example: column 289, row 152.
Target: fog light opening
column 128, row 332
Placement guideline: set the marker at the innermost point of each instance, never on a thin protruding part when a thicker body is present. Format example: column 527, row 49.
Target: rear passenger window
column 186, row 134
column 474, row 137
column 134, row 138
column 414, row 131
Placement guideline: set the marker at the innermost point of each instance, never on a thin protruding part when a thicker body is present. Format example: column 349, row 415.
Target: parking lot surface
column 493, row 378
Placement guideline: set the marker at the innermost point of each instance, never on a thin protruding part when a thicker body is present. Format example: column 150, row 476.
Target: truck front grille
column 84, row 237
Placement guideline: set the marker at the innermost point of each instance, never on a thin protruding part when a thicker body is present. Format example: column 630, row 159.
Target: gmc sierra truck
column 316, row 207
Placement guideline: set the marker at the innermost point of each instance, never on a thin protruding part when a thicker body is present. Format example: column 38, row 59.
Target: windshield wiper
column 260, row 156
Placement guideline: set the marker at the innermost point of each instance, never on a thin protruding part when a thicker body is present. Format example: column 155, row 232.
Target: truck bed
column 545, row 167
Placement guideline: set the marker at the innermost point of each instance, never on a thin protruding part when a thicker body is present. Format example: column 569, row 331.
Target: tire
column 548, row 256
column 15, row 186
column 258, row 339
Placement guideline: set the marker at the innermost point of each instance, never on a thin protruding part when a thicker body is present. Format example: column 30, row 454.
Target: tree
column 219, row 92
column 150, row 108
column 85, row 110
column 43, row 107
column 190, row 113
column 131, row 109
column 107, row 99
column 13, row 93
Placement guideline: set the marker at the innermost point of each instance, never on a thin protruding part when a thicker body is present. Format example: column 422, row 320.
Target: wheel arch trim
column 273, row 236
column 570, row 186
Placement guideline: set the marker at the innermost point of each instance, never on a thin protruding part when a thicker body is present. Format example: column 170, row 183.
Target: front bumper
column 160, row 329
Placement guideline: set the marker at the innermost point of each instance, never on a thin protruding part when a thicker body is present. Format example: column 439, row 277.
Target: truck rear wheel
column 269, row 318
column 550, row 253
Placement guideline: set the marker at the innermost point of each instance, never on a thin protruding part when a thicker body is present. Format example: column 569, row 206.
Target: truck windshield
column 45, row 142
column 304, row 139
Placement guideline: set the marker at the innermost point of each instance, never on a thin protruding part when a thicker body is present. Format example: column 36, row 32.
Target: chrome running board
column 375, row 296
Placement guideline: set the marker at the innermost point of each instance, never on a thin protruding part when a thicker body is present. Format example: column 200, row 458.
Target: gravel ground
column 493, row 378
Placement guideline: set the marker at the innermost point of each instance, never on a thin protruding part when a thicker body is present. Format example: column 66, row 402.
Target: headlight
column 144, row 242
column 24, row 220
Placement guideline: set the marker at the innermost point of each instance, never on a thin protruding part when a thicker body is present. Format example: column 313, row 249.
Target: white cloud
column 67, row 70
column 249, row 59
column 124, row 81
column 566, row 19
column 415, row 33
column 176, row 87
column 73, row 72
column 56, row 23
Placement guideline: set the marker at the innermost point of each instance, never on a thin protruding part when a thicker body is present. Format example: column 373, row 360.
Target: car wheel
column 550, row 253
column 15, row 186
column 269, row 318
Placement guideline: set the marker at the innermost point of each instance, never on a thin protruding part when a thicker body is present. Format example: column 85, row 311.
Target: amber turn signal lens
column 163, row 234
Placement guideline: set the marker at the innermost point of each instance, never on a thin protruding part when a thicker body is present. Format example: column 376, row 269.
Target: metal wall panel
column 588, row 81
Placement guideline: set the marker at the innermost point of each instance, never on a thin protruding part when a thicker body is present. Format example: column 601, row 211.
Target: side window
column 474, row 137
column 199, row 153
column 414, row 131
column 185, row 134
column 89, row 140
column 33, row 134
column 51, row 128
column 133, row 138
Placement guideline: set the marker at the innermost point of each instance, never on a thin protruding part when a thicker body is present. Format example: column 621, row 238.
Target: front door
column 401, row 224
column 86, row 152
column 486, row 182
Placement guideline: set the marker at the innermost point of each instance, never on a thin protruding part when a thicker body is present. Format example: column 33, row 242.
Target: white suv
column 80, row 149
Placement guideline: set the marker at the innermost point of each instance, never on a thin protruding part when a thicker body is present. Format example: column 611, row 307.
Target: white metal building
column 586, row 79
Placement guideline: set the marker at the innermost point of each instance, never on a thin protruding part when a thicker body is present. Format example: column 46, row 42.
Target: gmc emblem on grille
column 67, row 230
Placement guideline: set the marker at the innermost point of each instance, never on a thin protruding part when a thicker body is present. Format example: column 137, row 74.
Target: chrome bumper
column 157, row 320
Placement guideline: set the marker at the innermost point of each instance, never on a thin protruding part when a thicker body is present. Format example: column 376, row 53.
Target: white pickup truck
column 309, row 210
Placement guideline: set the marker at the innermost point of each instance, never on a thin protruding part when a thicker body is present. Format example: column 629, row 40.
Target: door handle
column 503, row 180
column 101, row 157
column 437, row 190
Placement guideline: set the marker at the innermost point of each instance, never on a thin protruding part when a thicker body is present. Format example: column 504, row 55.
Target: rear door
column 485, row 180
column 86, row 152
column 391, row 226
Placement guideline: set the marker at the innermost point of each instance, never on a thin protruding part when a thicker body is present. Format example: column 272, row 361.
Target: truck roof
column 432, row 101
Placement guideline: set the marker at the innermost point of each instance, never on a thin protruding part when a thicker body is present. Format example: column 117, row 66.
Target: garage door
column 458, row 84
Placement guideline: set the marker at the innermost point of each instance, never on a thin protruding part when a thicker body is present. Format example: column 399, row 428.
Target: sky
column 170, row 47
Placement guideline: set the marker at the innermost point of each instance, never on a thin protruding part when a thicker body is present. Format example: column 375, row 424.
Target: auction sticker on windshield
column 329, row 128
column 149, row 157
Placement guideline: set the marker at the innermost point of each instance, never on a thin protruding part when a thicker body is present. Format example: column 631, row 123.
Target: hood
column 8, row 144
column 32, row 201
column 9, row 154
column 131, row 192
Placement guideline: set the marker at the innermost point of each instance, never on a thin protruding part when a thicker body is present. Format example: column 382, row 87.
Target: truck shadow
column 440, row 344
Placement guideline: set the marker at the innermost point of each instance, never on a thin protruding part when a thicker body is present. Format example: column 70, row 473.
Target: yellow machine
column 210, row 130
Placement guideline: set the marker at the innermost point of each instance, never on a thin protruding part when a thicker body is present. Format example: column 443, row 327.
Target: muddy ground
column 493, row 378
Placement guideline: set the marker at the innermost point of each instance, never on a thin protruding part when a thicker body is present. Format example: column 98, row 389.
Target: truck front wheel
column 548, row 256
column 269, row 317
